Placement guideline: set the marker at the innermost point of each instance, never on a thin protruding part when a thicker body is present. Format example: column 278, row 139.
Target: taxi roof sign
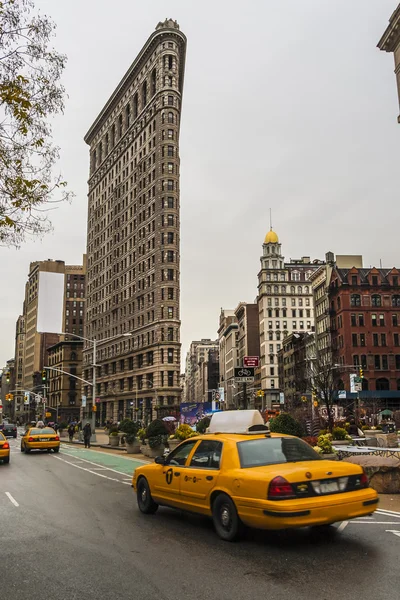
column 237, row 421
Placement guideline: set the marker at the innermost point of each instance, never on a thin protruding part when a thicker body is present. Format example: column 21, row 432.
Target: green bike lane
column 99, row 463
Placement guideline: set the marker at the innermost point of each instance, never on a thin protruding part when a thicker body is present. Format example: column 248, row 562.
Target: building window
column 355, row 360
column 361, row 320
column 377, row 361
column 397, row 358
column 382, row 384
column 383, row 339
column 354, row 339
column 376, row 300
column 374, row 320
column 153, row 82
column 301, row 324
column 144, row 94
column 384, row 362
column 355, row 300
column 170, row 201
column 394, row 320
column 170, row 378
column 354, row 280
column 375, row 339
column 364, row 361
column 295, row 276
column 170, row 355
column 353, row 320
column 396, row 339
column 294, row 325
column 382, row 320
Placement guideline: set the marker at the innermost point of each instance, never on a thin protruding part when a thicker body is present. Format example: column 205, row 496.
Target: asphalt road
column 77, row 533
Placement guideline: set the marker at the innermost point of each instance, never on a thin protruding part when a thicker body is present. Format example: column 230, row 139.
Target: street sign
column 281, row 398
column 221, row 392
column 358, row 384
column 251, row 361
column 83, row 401
column 98, row 400
column 244, row 375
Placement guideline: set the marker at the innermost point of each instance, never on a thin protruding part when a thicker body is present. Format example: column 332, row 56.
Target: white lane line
column 342, row 525
column 393, row 531
column 389, row 513
column 108, row 468
column 13, row 500
column 88, row 470
column 355, row 522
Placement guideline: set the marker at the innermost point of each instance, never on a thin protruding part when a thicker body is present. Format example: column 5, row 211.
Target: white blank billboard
column 50, row 302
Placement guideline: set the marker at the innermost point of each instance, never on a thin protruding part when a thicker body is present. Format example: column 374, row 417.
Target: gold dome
column 271, row 238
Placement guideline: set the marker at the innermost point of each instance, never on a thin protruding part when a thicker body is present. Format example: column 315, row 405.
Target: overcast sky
column 287, row 104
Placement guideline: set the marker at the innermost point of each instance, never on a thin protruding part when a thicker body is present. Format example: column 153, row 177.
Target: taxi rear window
column 46, row 430
column 274, row 451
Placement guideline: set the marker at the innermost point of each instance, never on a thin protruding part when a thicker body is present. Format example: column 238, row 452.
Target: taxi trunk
column 302, row 494
column 42, row 442
column 4, row 449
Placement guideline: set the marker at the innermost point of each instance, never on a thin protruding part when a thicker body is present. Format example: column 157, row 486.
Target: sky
column 287, row 105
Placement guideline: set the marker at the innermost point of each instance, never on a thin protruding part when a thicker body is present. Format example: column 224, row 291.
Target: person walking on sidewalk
column 71, row 431
column 87, row 434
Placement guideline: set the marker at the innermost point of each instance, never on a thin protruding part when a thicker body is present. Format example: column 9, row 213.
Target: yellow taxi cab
column 40, row 438
column 240, row 474
column 4, row 449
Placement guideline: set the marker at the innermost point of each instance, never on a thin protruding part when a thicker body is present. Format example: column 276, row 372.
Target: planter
column 113, row 440
column 133, row 448
column 152, row 452
column 63, row 433
column 341, row 442
column 173, row 444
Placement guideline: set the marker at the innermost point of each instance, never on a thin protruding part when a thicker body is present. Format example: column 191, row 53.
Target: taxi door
column 168, row 481
column 201, row 475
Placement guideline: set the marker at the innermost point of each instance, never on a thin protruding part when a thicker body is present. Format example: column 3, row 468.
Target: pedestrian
column 87, row 434
column 71, row 431
column 40, row 424
column 353, row 429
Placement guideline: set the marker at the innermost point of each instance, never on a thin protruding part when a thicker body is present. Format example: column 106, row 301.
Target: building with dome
column 285, row 306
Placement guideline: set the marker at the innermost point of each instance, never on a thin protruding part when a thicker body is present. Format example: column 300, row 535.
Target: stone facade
column 285, row 305
column 200, row 361
column 228, row 333
column 390, row 42
column 133, row 234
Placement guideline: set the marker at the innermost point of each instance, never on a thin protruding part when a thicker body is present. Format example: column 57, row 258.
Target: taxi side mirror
column 160, row 460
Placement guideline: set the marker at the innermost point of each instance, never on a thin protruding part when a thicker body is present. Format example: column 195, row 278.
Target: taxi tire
column 145, row 502
column 56, row 449
column 224, row 507
column 6, row 460
column 26, row 450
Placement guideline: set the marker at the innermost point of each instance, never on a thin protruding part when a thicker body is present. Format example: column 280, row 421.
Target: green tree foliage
column 30, row 94
column 285, row 423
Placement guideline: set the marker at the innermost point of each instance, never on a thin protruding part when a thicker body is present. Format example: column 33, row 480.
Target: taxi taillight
column 31, row 439
column 280, row 489
column 57, row 439
column 6, row 446
column 364, row 482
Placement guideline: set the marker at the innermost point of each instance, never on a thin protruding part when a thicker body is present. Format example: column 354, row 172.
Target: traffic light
column 8, row 377
column 44, row 376
column 361, row 372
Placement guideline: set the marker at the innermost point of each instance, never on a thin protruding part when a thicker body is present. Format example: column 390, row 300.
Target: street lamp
column 93, row 384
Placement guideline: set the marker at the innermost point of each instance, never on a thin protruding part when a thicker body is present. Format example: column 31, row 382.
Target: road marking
column 393, row 531
column 390, row 513
column 11, row 498
column 97, row 464
column 88, row 470
column 375, row 522
column 342, row 525
column 145, row 462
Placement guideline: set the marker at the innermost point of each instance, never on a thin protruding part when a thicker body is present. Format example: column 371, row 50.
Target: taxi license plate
column 329, row 487
column 44, row 439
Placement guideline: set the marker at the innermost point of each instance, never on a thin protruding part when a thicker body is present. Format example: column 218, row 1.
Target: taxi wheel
column 26, row 450
column 56, row 449
column 226, row 521
column 145, row 502
column 6, row 460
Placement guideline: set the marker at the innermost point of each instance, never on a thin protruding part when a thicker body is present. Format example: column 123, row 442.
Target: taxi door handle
column 209, row 478
column 176, row 473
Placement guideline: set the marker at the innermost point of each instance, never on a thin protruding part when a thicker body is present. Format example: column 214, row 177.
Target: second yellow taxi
column 240, row 474
column 37, row 438
column 4, row 449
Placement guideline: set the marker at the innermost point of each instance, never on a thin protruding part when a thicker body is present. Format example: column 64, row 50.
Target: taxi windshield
column 272, row 451
column 45, row 430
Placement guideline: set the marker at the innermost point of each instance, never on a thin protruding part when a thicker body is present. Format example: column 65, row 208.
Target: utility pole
column 244, row 395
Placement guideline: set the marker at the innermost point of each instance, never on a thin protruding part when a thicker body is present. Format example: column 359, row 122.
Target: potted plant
column 63, row 429
column 127, row 428
column 325, row 448
column 340, row 436
column 156, row 436
column 113, row 437
column 182, row 433
column 132, row 443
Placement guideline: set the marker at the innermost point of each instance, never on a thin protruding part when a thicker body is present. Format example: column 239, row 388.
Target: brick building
column 390, row 42
column 365, row 324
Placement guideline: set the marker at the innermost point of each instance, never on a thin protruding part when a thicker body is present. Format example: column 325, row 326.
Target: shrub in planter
column 311, row 440
column 114, row 438
column 184, row 432
column 285, row 423
column 141, row 434
column 127, row 426
column 339, row 433
column 202, row 425
column 324, row 444
column 156, row 433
